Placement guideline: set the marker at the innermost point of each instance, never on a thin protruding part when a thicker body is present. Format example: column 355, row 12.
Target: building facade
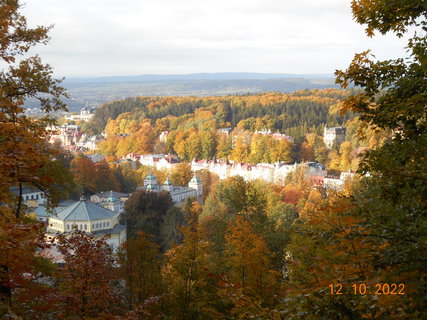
column 271, row 173
column 89, row 217
column 114, row 201
column 178, row 193
column 334, row 135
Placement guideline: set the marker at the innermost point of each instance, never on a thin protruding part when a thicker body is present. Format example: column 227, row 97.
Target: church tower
column 196, row 184
column 150, row 182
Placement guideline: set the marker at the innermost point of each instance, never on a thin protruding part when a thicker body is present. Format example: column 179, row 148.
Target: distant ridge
column 98, row 90
column 195, row 76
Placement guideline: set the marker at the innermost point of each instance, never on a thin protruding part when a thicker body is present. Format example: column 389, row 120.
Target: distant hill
column 196, row 76
column 96, row 91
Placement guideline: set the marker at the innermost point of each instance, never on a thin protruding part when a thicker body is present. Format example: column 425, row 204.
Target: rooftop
column 115, row 194
column 85, row 211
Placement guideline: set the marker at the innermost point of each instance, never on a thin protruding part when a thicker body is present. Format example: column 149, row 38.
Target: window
column 85, row 227
column 68, row 226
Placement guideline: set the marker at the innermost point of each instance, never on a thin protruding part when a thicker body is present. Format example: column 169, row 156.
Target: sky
column 134, row 37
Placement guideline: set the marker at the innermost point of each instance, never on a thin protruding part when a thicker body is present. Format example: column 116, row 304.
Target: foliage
column 181, row 174
column 139, row 265
column 148, row 211
column 85, row 280
column 23, row 151
column 190, row 289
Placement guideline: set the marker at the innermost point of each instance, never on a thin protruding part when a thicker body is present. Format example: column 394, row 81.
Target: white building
column 86, row 114
column 159, row 161
column 31, row 197
column 271, row 173
column 277, row 135
column 163, row 137
column 334, row 135
column 225, row 131
column 88, row 217
column 114, row 201
column 337, row 184
column 178, row 193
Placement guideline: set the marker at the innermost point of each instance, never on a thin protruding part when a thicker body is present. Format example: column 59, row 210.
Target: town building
column 159, row 161
column 337, row 184
column 163, row 137
column 225, row 131
column 178, row 193
column 86, row 114
column 334, row 135
column 71, row 138
column 114, row 201
column 32, row 197
column 271, row 173
column 89, row 217
column 277, row 135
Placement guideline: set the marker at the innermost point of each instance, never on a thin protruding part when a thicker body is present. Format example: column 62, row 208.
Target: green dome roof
column 150, row 177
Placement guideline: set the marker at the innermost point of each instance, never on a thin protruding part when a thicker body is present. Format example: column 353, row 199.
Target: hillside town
column 194, row 161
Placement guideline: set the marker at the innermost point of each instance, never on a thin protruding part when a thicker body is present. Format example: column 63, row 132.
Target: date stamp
column 362, row 289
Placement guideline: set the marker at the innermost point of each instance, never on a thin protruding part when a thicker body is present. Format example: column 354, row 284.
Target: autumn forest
column 291, row 248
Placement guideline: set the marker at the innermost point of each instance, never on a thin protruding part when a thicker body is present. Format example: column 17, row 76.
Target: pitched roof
column 25, row 190
column 85, row 211
column 42, row 212
column 108, row 194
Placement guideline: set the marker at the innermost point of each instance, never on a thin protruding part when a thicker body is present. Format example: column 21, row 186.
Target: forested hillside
column 195, row 126
column 289, row 111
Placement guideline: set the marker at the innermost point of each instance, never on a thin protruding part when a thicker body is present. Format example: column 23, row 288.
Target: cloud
column 104, row 37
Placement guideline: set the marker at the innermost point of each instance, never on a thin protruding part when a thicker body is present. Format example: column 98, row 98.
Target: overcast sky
column 132, row 37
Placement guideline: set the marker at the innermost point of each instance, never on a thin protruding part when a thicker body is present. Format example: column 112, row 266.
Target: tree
column 20, row 267
column 84, row 172
column 190, row 290
column 391, row 202
column 105, row 179
column 85, row 280
column 23, row 150
column 240, row 151
column 280, row 151
column 292, row 194
column 250, row 278
column 140, row 268
column 306, row 152
column 208, row 179
column 208, row 145
column 224, row 147
column 181, row 174
column 24, row 154
column 345, row 151
column 145, row 211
